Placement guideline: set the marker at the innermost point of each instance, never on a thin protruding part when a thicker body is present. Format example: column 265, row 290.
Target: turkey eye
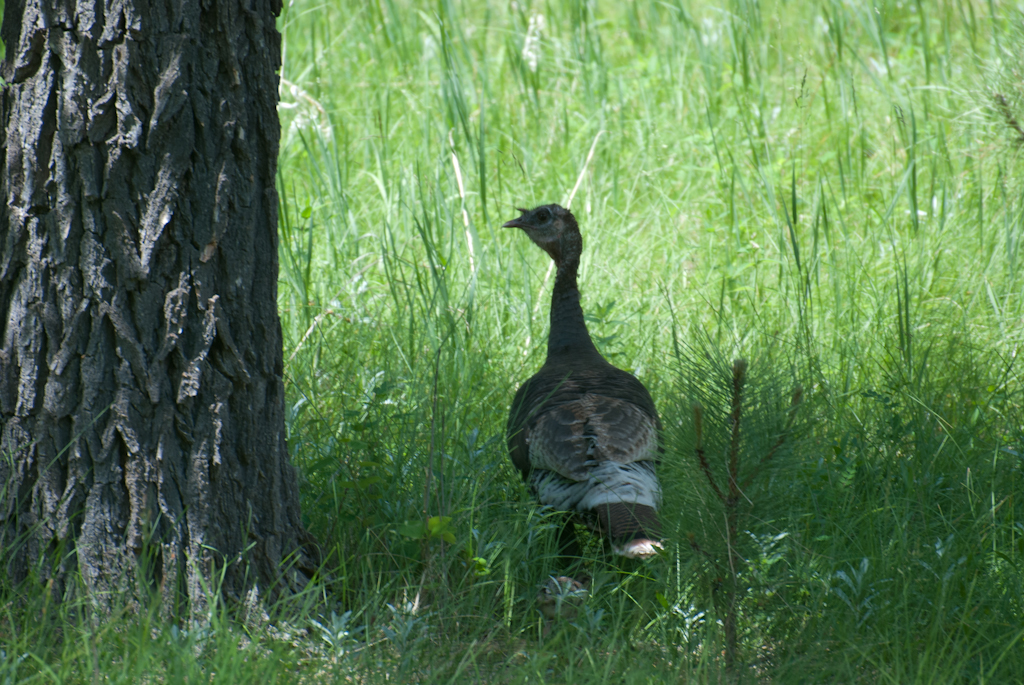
column 543, row 215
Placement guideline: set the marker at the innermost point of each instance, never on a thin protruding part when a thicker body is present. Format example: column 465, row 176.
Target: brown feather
column 622, row 522
column 566, row 438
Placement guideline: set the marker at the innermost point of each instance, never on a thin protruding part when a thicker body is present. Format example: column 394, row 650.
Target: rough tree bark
column 141, row 385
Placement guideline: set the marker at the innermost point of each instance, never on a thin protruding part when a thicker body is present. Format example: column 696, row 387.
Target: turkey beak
column 517, row 223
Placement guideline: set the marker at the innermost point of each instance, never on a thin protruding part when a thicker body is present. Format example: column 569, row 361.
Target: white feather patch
column 638, row 549
column 609, row 482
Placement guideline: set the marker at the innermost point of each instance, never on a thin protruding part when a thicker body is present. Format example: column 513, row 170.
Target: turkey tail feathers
column 620, row 500
column 634, row 529
column 606, row 482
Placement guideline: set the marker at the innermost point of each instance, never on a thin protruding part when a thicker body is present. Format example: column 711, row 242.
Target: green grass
column 829, row 189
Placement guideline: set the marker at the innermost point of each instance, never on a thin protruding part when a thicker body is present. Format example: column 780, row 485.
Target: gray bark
column 141, row 392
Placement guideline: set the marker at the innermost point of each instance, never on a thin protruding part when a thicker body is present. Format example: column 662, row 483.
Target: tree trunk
column 141, row 388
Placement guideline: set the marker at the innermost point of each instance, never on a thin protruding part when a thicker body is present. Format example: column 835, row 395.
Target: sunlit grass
column 828, row 189
column 823, row 188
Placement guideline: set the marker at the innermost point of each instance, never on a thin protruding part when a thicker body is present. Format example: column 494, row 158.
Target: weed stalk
column 729, row 574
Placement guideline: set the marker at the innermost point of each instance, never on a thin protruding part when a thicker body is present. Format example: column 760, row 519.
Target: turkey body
column 584, row 434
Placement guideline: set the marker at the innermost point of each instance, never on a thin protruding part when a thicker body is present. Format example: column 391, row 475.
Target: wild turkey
column 584, row 434
column 560, row 597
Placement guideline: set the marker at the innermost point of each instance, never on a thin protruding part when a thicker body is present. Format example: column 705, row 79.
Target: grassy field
column 832, row 190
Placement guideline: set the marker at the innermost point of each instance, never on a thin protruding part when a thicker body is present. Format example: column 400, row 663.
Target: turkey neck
column 569, row 336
